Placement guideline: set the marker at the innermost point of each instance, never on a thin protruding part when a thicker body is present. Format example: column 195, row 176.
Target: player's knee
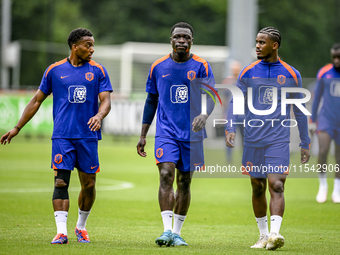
column 61, row 184
column 323, row 151
column 89, row 185
column 184, row 182
column 166, row 179
column 259, row 188
column 277, row 186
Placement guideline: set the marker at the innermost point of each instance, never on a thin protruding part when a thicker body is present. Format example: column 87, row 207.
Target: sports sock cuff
column 264, row 218
column 336, row 188
column 177, row 216
column 262, row 224
column 84, row 212
column 323, row 175
column 275, row 224
column 167, row 219
column 167, row 212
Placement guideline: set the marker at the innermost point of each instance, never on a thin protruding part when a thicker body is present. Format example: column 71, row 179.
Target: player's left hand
column 199, row 122
column 140, row 147
column 305, row 155
column 95, row 123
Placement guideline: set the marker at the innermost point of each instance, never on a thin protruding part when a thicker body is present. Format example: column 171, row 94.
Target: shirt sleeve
column 104, row 81
column 318, row 91
column 151, row 85
column 231, row 117
column 150, row 108
column 208, row 87
column 301, row 119
column 46, row 82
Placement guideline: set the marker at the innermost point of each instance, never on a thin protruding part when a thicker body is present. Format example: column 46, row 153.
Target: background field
column 126, row 218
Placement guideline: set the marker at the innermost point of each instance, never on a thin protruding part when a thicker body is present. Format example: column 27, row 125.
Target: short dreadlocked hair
column 272, row 33
column 182, row 25
column 76, row 35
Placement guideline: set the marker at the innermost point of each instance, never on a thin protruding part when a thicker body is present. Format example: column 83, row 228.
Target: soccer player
column 180, row 127
column 235, row 68
column 328, row 121
column 76, row 83
column 266, row 143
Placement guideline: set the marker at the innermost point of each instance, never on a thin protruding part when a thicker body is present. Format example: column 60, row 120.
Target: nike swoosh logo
column 197, row 164
column 255, row 77
column 165, row 75
column 93, row 167
column 62, row 77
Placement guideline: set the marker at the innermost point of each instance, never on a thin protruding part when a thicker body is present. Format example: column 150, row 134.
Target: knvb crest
column 58, row 158
column 89, row 76
column 281, row 79
column 191, row 75
column 159, row 152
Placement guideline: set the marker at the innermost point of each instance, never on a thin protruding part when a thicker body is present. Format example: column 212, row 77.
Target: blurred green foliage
column 309, row 28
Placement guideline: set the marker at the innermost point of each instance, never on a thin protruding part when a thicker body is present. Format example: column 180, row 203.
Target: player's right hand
column 229, row 139
column 140, row 147
column 6, row 138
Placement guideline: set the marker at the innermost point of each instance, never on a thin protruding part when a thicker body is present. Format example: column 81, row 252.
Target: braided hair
column 272, row 33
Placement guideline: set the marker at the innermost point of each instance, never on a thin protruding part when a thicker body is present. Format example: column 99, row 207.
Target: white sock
column 167, row 219
column 178, row 223
column 61, row 221
column 262, row 224
column 82, row 218
column 323, row 181
column 275, row 224
column 336, row 188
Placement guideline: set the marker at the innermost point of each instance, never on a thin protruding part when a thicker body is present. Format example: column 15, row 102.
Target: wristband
column 17, row 128
column 142, row 136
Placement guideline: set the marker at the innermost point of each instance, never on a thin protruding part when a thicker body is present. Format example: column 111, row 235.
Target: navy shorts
column 188, row 156
column 271, row 159
column 79, row 153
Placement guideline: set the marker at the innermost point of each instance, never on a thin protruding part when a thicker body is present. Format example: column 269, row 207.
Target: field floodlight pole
column 5, row 40
column 241, row 28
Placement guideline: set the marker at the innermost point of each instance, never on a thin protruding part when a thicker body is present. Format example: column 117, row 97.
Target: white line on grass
column 109, row 184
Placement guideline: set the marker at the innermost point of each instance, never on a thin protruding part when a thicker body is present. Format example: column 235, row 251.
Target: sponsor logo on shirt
column 77, row 94
column 266, row 95
column 281, row 79
column 179, row 94
column 165, row 75
column 335, row 88
column 89, row 76
column 191, row 75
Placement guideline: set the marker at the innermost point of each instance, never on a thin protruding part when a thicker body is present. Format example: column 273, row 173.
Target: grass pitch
column 126, row 218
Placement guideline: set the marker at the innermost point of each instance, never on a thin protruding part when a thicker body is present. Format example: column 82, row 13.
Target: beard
column 262, row 57
column 337, row 68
